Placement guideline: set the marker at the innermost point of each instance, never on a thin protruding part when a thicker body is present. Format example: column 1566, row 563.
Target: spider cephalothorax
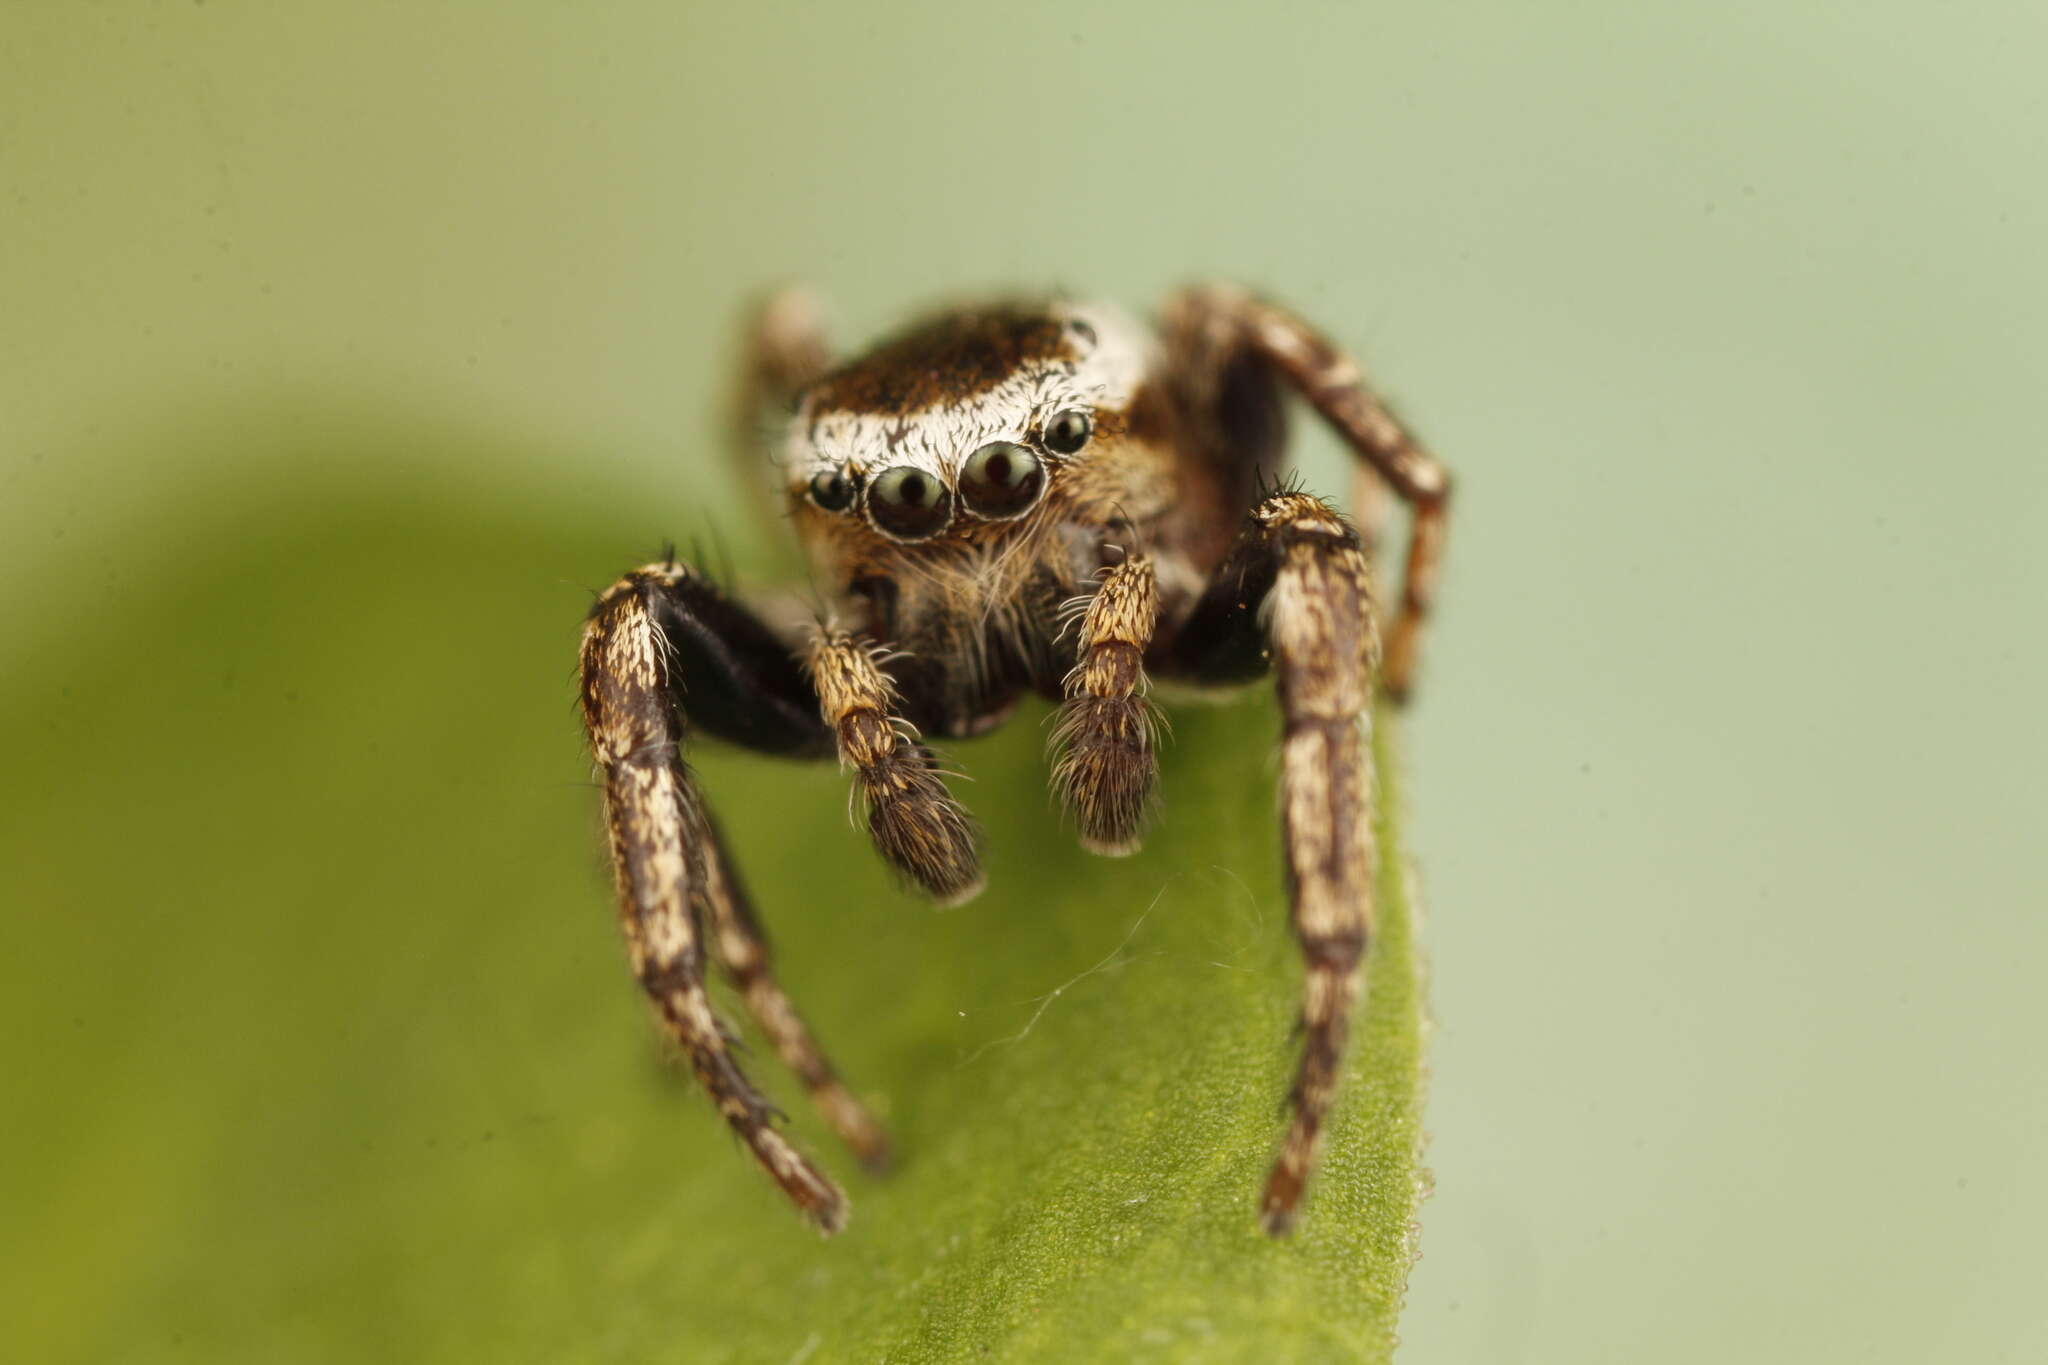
column 965, row 477
column 1018, row 498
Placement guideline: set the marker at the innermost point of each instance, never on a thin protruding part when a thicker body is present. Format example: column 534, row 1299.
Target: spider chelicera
column 1038, row 497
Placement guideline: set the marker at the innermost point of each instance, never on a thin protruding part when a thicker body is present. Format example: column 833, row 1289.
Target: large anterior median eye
column 1001, row 480
column 908, row 503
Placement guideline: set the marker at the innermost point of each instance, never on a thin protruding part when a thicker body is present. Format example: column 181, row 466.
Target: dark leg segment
column 1104, row 764
column 744, row 683
column 659, row 841
column 1333, row 384
column 1300, row 566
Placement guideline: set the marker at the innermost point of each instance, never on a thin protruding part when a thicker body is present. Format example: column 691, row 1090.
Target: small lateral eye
column 832, row 491
column 1067, row 431
column 1001, row 480
column 908, row 503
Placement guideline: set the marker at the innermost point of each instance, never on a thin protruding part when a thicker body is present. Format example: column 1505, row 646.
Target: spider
column 1020, row 497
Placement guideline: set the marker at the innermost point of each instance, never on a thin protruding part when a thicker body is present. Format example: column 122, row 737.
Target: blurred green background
column 340, row 345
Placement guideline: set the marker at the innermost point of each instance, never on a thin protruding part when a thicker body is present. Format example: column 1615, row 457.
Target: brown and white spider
column 1022, row 497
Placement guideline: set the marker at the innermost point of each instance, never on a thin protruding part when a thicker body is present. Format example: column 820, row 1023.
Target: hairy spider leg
column 1232, row 322
column 744, row 952
column 784, row 348
column 1103, row 744
column 654, row 634
column 1296, row 589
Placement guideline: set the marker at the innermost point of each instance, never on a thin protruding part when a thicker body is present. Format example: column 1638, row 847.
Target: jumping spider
column 1022, row 497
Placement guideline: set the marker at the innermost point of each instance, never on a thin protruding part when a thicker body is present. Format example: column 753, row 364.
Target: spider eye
column 1001, row 480
column 909, row 503
column 1066, row 432
column 832, row 491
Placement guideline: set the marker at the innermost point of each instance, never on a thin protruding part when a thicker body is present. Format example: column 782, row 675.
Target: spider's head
column 964, row 428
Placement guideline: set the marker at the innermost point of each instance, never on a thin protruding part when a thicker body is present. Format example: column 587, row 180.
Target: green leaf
column 332, row 1052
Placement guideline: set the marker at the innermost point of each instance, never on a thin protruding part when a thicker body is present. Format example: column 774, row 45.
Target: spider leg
column 647, row 630
column 744, row 951
column 784, row 348
column 1104, row 765
column 1299, row 567
column 1334, row 385
column 915, row 822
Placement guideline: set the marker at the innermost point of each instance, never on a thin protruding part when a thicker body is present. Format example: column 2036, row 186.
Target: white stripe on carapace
column 939, row 439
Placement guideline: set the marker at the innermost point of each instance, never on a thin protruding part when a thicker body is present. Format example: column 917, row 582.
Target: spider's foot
column 816, row 1197
column 1281, row 1202
column 952, row 900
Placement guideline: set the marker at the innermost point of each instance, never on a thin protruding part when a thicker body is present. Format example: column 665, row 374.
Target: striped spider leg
column 656, row 636
column 1295, row 595
column 1221, row 331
